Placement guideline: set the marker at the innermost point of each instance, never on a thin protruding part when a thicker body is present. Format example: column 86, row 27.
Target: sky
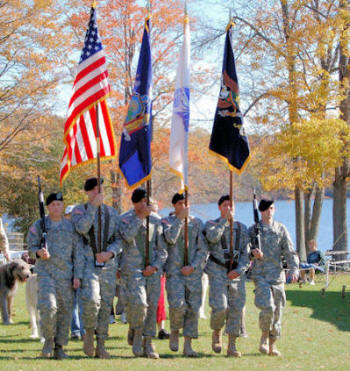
column 202, row 106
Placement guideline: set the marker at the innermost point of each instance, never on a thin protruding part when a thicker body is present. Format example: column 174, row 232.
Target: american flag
column 90, row 89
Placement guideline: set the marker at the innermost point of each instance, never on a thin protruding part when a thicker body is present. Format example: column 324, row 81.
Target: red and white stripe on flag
column 81, row 146
column 90, row 89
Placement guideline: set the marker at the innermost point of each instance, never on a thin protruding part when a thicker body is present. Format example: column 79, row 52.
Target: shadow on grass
column 71, row 358
column 7, row 339
column 329, row 307
column 180, row 355
column 115, row 338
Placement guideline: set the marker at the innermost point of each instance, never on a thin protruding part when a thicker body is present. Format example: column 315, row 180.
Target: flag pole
column 231, row 221
column 148, row 185
column 147, row 261
column 99, row 236
column 186, row 232
column 186, row 198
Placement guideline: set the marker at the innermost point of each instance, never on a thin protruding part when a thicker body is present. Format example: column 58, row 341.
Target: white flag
column 181, row 113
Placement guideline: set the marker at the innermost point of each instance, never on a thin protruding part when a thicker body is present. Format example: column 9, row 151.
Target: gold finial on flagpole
column 186, row 13
column 148, row 10
column 94, row 4
column 230, row 21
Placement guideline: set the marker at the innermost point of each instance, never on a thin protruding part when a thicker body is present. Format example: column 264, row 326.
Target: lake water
column 285, row 213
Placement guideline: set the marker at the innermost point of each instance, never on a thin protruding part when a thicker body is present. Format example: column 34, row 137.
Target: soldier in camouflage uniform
column 184, row 282
column 99, row 276
column 142, row 277
column 227, row 284
column 56, row 266
column 268, row 274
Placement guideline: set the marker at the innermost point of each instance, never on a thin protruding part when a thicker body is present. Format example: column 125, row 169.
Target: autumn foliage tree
column 31, row 58
column 121, row 25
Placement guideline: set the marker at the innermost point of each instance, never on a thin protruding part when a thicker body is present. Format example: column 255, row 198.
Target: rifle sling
column 140, row 243
column 181, row 244
column 224, row 246
column 91, row 233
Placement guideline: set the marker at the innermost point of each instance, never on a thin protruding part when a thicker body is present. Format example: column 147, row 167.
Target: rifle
column 257, row 240
column 43, row 243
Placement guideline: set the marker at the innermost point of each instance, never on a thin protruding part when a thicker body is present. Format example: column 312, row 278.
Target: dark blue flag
column 228, row 140
column 135, row 161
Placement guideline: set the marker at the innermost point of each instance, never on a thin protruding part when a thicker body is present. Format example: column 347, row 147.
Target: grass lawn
column 316, row 335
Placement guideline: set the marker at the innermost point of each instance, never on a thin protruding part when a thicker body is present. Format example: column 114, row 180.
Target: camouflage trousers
column 143, row 294
column 184, row 298
column 121, row 294
column 55, row 305
column 97, row 294
column 227, row 300
column 271, row 299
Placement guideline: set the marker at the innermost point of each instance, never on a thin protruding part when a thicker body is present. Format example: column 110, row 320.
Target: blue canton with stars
column 92, row 43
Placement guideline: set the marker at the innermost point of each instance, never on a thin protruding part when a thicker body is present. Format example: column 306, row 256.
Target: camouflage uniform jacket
column 173, row 229
column 84, row 217
column 132, row 233
column 64, row 246
column 217, row 230
column 275, row 243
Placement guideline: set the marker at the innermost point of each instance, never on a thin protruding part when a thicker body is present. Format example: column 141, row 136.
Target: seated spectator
column 315, row 261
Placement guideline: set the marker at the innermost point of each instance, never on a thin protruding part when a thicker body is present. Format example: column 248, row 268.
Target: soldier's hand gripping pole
column 257, row 240
column 43, row 242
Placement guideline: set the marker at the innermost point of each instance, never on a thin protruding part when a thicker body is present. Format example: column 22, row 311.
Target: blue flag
column 135, row 161
column 228, row 140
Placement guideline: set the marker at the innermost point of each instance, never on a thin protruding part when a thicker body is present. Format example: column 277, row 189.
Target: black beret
column 54, row 197
column 91, row 183
column 177, row 197
column 138, row 195
column 265, row 204
column 223, row 199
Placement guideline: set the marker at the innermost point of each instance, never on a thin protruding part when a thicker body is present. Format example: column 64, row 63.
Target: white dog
column 32, row 307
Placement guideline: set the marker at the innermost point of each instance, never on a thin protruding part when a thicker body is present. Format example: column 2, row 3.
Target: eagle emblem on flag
column 137, row 116
column 228, row 97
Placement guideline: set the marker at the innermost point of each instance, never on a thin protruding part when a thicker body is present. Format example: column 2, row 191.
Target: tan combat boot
column 137, row 343
column 148, row 348
column 216, row 341
column 273, row 351
column 231, row 347
column 188, row 351
column 174, row 340
column 59, row 353
column 130, row 336
column 100, row 351
column 264, row 343
column 47, row 349
column 88, row 346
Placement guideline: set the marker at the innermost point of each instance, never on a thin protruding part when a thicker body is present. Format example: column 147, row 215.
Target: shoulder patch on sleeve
column 33, row 229
column 211, row 222
column 77, row 211
column 165, row 221
column 125, row 220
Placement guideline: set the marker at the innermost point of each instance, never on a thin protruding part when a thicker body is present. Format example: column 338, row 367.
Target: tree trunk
column 312, row 219
column 316, row 215
column 340, row 232
column 299, row 223
column 116, row 190
column 307, row 213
